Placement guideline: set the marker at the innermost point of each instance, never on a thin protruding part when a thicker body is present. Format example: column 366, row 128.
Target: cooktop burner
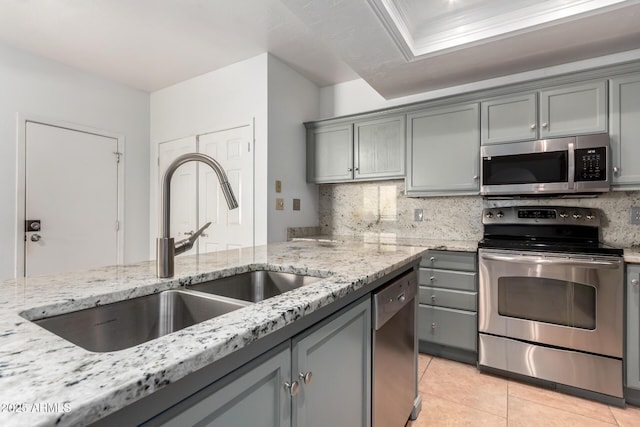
column 545, row 229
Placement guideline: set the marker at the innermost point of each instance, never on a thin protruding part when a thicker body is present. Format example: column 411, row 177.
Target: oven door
column 563, row 300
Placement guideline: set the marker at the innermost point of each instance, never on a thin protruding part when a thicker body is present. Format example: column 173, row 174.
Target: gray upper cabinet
column 443, row 151
column 509, row 119
column 330, row 153
column 565, row 110
column 625, row 131
column 573, row 109
column 363, row 150
column 379, row 148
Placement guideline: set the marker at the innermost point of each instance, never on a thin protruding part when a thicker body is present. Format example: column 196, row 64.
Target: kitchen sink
column 131, row 322
column 254, row 286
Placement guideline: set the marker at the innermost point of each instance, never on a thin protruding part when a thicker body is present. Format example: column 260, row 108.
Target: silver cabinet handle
column 593, row 263
column 616, row 169
column 545, row 125
column 306, row 378
column 635, row 282
column 292, row 388
column 533, row 126
column 432, row 259
column 433, row 298
column 433, row 326
column 432, row 279
column 36, row 237
column 356, row 169
column 475, row 177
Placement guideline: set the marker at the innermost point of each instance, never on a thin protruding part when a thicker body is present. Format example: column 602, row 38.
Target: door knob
column 35, row 237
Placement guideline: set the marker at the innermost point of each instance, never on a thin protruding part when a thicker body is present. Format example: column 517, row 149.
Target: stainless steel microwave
column 578, row 164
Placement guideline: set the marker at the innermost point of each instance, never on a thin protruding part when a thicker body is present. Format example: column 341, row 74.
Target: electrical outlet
column 296, row 204
column 279, row 204
column 418, row 215
column 634, row 216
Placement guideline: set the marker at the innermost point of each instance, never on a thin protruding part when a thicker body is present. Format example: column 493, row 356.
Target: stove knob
column 489, row 214
column 500, row 214
column 577, row 216
column 591, row 216
column 563, row 214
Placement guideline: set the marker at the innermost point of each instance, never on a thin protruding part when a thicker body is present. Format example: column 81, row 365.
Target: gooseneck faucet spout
column 166, row 249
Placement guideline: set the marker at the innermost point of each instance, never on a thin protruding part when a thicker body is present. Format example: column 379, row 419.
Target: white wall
column 292, row 100
column 224, row 98
column 357, row 96
column 33, row 85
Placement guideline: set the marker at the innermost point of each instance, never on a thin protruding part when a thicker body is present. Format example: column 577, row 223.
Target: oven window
column 553, row 301
column 525, row 168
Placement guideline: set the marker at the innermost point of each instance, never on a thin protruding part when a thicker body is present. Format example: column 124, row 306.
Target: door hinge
column 117, row 225
column 249, row 146
column 118, row 155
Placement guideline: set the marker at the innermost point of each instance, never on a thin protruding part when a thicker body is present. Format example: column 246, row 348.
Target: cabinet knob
column 433, row 298
column 356, row 169
column 635, row 282
column 432, row 278
column 533, row 126
column 350, row 169
column 432, row 259
column 475, row 177
column 292, row 388
column 545, row 125
column 433, row 326
column 306, row 378
column 616, row 170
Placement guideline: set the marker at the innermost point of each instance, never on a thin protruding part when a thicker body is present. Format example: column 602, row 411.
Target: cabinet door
column 337, row 353
column 509, row 119
column 447, row 326
column 256, row 397
column 573, row 109
column 633, row 327
column 625, row 131
column 330, row 153
column 379, row 148
column 443, row 152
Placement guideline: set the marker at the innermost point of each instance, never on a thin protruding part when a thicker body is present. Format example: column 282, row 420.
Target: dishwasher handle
column 393, row 297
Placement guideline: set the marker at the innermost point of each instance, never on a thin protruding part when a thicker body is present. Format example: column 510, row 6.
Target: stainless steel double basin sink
column 124, row 324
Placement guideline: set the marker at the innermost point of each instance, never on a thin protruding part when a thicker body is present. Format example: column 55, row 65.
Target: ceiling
column 400, row 47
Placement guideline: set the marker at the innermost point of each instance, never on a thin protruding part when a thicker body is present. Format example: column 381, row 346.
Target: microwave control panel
column 591, row 164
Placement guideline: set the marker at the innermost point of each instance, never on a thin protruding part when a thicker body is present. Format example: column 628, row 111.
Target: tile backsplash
column 354, row 209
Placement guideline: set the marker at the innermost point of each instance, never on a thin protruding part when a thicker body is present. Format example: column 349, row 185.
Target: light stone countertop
column 41, row 372
column 632, row 255
column 392, row 239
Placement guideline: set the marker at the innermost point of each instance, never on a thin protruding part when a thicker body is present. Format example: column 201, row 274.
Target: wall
column 292, row 100
column 380, row 207
column 33, row 85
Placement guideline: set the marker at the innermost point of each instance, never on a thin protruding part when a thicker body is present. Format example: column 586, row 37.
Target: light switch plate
column 278, row 186
column 279, row 204
column 418, row 215
column 634, row 216
column 296, row 204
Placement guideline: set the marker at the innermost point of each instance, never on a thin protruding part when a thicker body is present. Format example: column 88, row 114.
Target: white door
column 184, row 202
column 233, row 149
column 71, row 187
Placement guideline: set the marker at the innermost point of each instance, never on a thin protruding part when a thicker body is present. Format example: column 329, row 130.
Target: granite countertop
column 45, row 380
column 392, row 239
column 632, row 255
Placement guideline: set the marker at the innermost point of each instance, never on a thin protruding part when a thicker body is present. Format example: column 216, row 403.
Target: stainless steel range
column 551, row 298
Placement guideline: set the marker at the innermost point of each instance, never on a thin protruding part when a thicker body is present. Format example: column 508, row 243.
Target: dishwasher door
column 394, row 351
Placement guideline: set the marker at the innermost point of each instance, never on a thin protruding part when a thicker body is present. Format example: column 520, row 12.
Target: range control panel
column 541, row 215
column 591, row 164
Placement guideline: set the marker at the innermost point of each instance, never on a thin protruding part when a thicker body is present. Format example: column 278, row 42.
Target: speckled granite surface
column 632, row 255
column 54, row 382
column 392, row 239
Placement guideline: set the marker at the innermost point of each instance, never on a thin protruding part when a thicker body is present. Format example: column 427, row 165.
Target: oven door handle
column 553, row 261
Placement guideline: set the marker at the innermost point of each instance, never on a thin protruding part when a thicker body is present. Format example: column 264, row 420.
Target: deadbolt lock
column 32, row 225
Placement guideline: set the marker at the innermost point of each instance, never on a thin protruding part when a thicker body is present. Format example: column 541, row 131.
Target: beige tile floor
column 456, row 394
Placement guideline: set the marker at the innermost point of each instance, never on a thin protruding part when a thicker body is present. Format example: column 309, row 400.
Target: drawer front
column 446, row 326
column 462, row 300
column 450, row 260
column 462, row 280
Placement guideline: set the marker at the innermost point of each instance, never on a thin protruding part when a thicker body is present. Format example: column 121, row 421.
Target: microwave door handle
column 571, row 168
column 553, row 261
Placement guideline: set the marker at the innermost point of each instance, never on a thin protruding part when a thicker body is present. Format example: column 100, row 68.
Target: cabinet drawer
column 446, row 326
column 462, row 280
column 461, row 300
column 464, row 261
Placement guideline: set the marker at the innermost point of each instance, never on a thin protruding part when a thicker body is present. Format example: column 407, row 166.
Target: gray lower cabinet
column 320, row 377
column 368, row 149
column 447, row 310
column 625, row 128
column 565, row 110
column 443, row 151
column 632, row 353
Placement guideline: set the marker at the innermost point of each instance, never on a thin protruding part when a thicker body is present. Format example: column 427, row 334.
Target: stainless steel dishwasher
column 394, row 357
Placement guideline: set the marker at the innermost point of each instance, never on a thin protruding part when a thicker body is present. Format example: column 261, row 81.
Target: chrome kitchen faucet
column 166, row 249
